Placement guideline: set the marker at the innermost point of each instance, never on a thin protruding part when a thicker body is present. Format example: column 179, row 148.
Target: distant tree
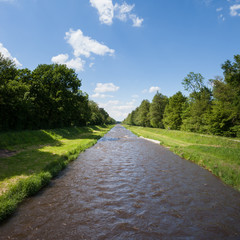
column 132, row 117
column 143, row 114
column 225, row 118
column 172, row 117
column 193, row 82
column 196, row 114
column 157, row 109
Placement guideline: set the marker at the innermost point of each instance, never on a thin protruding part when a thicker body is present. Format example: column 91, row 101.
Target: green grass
column 40, row 155
column 219, row 155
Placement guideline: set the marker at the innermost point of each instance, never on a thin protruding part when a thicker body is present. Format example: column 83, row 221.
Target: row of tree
column 47, row 97
column 212, row 109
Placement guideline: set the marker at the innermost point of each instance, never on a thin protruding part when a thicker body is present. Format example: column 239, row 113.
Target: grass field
column 37, row 157
column 219, row 155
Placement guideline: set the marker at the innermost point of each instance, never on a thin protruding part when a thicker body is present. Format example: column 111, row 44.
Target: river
column 125, row 187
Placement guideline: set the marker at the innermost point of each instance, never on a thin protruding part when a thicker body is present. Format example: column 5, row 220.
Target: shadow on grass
column 43, row 155
column 31, row 159
column 74, row 132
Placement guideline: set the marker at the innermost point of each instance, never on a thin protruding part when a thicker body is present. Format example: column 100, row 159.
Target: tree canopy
column 47, row 97
column 211, row 110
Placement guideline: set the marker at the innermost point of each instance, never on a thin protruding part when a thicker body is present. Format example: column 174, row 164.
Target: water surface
column 125, row 187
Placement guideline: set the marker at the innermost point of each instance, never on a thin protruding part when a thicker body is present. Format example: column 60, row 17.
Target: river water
column 125, row 187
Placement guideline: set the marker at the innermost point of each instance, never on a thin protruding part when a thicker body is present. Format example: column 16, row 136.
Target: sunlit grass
column 220, row 155
column 40, row 155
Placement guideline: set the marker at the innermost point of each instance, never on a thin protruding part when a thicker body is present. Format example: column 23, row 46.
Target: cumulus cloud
column 137, row 22
column 107, row 11
column 219, row 9
column 99, row 95
column 75, row 63
column 102, row 88
column 234, row 10
column 105, row 87
column 91, row 65
column 118, row 110
column 83, row 46
column 7, row 54
column 122, row 11
column 154, row 89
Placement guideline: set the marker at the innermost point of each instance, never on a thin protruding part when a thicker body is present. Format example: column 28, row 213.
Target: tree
column 157, row 108
column 14, row 100
column 196, row 114
column 172, row 117
column 54, row 90
column 225, row 118
column 193, row 82
column 143, row 114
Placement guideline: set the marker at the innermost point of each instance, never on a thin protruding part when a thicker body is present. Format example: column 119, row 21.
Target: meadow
column 34, row 157
column 219, row 155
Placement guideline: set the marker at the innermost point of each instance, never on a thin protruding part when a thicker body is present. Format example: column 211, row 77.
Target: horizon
column 123, row 51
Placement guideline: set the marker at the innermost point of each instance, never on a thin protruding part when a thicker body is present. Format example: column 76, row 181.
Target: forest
column 212, row 107
column 47, row 97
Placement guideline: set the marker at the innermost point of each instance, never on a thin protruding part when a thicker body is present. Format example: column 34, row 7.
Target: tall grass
column 40, row 155
column 219, row 155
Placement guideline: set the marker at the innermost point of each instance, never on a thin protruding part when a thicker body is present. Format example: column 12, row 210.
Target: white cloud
column 105, row 87
column 135, row 96
column 154, row 89
column 221, row 16
column 61, row 58
column 91, row 65
column 107, row 11
column 118, row 110
column 234, row 10
column 75, row 63
column 83, row 46
column 137, row 22
column 99, row 95
column 7, row 54
column 219, row 9
column 122, row 11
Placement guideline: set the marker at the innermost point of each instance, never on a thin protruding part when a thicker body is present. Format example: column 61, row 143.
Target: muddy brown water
column 125, row 187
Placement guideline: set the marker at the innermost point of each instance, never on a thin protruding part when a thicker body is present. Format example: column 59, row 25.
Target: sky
column 123, row 51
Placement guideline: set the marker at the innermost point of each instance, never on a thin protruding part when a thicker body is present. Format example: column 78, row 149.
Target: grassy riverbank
column 219, row 155
column 34, row 157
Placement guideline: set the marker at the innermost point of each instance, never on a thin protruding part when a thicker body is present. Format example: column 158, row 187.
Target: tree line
column 47, row 97
column 212, row 108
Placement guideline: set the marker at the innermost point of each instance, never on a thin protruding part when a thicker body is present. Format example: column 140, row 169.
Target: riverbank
column 30, row 159
column 219, row 155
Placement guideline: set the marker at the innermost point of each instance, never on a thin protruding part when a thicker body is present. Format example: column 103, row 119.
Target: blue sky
column 124, row 51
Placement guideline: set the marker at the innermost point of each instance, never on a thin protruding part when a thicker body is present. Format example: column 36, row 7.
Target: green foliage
column 173, row 112
column 47, row 97
column 142, row 118
column 219, row 155
column 98, row 116
column 214, row 110
column 193, row 82
column 197, row 112
column 157, row 109
column 225, row 118
column 32, row 168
